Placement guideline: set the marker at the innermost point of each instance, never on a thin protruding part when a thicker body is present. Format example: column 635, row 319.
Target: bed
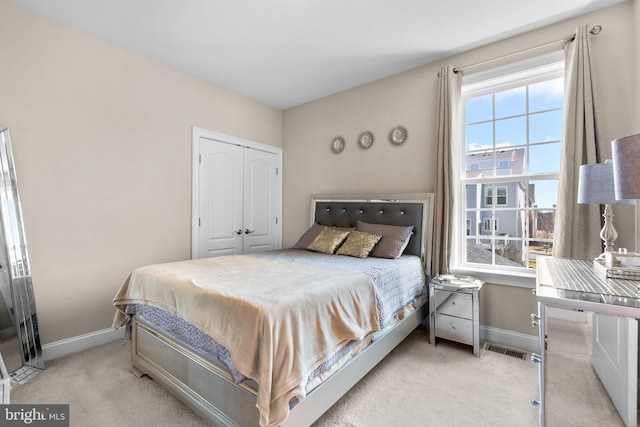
column 317, row 348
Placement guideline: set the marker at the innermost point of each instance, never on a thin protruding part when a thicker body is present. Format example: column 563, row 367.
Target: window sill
column 517, row 280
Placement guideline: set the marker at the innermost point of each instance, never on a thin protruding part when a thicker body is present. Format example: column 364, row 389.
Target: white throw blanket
column 278, row 320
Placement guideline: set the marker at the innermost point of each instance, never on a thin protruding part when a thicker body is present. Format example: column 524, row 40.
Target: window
column 510, row 162
column 487, row 225
column 501, row 196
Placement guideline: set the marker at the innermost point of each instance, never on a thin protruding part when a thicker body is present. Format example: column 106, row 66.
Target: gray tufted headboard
column 345, row 210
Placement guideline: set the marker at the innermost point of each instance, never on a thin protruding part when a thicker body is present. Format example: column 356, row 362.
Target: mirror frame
column 22, row 307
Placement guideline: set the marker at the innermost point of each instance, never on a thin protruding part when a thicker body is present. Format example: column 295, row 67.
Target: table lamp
column 626, row 166
column 596, row 186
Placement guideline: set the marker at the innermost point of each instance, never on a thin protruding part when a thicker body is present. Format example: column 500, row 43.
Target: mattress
column 399, row 287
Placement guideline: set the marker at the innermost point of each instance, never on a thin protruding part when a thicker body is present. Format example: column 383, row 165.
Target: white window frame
column 540, row 68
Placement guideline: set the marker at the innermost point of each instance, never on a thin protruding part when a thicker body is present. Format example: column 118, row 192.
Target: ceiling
column 288, row 52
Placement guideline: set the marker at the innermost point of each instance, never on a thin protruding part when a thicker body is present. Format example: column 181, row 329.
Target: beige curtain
column 446, row 128
column 577, row 226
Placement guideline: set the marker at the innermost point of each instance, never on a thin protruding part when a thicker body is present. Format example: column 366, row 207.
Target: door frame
column 198, row 133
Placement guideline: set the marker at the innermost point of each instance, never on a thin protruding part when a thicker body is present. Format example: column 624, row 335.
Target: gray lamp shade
column 596, row 185
column 626, row 166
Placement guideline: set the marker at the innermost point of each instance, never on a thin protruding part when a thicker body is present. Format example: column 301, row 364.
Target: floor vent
column 512, row 352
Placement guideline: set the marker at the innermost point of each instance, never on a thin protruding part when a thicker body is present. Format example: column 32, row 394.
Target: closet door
column 221, row 176
column 237, row 197
column 261, row 198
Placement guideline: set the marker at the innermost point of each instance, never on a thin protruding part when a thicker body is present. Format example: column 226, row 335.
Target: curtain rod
column 595, row 31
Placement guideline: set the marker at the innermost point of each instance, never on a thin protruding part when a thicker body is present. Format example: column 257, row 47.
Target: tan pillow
column 359, row 244
column 328, row 240
column 394, row 238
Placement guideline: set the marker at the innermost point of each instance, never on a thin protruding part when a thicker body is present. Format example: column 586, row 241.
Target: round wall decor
column 398, row 135
column 337, row 144
column 366, row 139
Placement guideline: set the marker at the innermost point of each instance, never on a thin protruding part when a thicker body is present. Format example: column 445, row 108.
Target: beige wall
column 409, row 99
column 102, row 145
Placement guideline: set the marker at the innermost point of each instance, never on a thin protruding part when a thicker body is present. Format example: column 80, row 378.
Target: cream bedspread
column 278, row 320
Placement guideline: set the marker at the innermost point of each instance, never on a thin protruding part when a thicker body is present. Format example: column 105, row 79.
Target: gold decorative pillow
column 313, row 231
column 328, row 240
column 359, row 244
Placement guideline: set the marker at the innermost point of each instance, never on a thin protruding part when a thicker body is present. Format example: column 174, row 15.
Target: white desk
column 576, row 285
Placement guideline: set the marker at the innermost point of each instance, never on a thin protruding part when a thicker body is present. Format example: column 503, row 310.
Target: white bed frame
column 209, row 390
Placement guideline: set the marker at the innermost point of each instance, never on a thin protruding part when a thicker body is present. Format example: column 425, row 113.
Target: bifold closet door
column 239, row 196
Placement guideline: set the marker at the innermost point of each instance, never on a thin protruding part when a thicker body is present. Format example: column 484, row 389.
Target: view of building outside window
column 512, row 160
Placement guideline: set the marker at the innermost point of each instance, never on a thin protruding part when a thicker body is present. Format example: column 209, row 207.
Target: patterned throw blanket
column 279, row 320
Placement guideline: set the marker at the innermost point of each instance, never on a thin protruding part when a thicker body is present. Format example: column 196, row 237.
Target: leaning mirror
column 20, row 342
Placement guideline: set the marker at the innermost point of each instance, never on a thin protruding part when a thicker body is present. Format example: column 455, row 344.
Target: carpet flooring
column 418, row 384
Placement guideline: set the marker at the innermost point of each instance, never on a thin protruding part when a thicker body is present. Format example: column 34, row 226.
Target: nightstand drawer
column 454, row 328
column 454, row 304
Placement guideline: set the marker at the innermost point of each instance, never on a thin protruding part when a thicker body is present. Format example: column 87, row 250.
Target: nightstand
column 454, row 310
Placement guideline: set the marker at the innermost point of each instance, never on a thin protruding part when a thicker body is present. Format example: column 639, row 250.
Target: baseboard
column 509, row 338
column 83, row 342
column 78, row 343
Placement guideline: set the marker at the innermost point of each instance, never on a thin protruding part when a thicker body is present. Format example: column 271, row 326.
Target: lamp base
column 608, row 234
